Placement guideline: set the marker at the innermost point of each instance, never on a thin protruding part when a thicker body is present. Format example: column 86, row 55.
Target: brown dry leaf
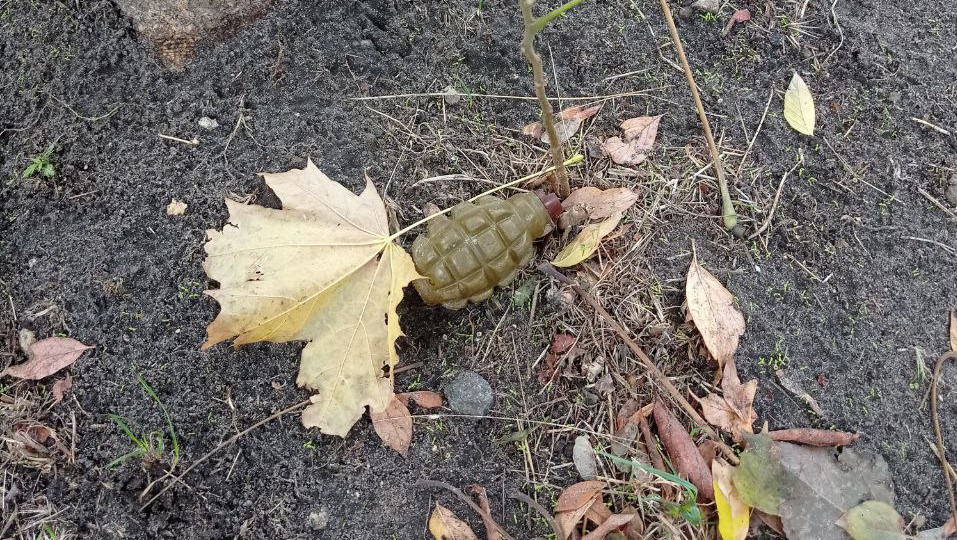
column 627, row 409
column 394, row 426
column 598, row 512
column 561, row 343
column 323, row 270
column 638, row 139
column 682, row 451
column 60, row 388
column 176, row 207
column 814, row 437
column 445, row 526
column 426, row 399
column 734, row 411
column 491, row 529
column 578, row 495
column 953, row 330
column 47, row 357
column 601, row 204
column 613, row 522
column 567, row 123
column 741, row 15
column 712, row 309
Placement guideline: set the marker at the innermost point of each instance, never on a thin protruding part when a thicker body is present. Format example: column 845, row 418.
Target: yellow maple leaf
column 324, row 269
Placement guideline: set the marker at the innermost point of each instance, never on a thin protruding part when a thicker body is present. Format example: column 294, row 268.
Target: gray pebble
column 686, row 12
column 706, row 6
column 469, row 393
column 208, row 123
column 950, row 192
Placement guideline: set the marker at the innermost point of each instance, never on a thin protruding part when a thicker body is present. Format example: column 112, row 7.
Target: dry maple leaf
column 712, row 309
column 394, row 426
column 734, row 411
column 47, row 357
column 323, row 269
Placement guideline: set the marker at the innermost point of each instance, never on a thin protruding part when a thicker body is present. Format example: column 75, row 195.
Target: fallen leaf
column 682, row 451
column 574, row 502
column 491, row 529
column 642, row 131
column 774, row 522
column 799, row 106
column 445, row 526
column 627, row 409
column 47, row 357
column 613, row 522
column 814, row 437
column 176, row 207
column 953, row 330
column 583, row 455
column 598, row 512
column 873, row 520
column 426, row 399
column 734, row 411
column 578, row 495
column 323, row 270
column 561, row 343
column 585, row 244
column 940, row 533
column 795, row 388
column 567, row 123
column 534, row 130
column 601, row 204
column 733, row 514
column 639, row 138
column 60, row 388
column 807, row 486
column 741, row 15
column 712, row 309
column 38, row 432
column 394, row 426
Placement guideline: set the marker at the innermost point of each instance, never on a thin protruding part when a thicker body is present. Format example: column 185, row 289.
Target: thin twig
column 774, row 205
column 935, row 419
column 937, row 203
column 224, row 444
column 534, row 505
column 425, row 483
column 528, row 47
column 727, row 209
column 656, row 373
column 747, row 152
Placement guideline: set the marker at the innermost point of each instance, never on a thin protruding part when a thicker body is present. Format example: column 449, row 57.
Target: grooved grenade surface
column 476, row 247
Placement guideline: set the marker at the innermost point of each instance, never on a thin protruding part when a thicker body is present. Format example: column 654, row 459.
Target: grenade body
column 478, row 246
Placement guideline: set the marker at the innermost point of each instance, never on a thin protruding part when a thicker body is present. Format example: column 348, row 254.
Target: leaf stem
column 528, row 47
column 540, row 22
column 574, row 160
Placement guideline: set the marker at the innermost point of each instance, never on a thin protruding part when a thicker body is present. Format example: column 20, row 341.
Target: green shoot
column 687, row 509
column 41, row 165
column 151, row 446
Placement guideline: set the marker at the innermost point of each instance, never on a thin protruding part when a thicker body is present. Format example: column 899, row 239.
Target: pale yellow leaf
column 712, row 309
column 799, row 106
column 733, row 514
column 320, row 270
column 601, row 204
column 445, row 526
column 585, row 244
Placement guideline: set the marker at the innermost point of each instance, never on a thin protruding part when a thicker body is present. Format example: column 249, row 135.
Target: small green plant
column 687, row 509
column 155, row 446
column 41, row 165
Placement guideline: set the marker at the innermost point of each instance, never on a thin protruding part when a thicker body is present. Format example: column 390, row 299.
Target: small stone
column 318, row 520
column 469, row 393
column 775, row 38
column 451, row 95
column 583, row 455
column 894, row 97
column 686, row 12
column 208, row 123
column 706, row 6
column 176, row 207
column 950, row 192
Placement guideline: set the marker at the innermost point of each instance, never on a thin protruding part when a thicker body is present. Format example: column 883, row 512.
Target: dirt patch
column 847, row 291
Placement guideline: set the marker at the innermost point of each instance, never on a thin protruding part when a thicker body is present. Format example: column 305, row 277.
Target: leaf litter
column 711, row 307
column 633, row 146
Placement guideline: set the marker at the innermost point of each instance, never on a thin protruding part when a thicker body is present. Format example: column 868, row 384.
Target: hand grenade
column 478, row 246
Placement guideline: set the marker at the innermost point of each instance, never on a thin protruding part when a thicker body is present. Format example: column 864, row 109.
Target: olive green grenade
column 479, row 245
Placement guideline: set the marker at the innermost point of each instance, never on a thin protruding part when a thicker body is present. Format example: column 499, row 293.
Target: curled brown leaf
column 814, row 437
column 682, row 450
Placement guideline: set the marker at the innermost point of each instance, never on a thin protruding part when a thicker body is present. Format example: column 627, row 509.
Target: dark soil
column 851, row 292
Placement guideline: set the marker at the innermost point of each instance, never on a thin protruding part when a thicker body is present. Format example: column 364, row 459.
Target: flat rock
column 469, row 393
